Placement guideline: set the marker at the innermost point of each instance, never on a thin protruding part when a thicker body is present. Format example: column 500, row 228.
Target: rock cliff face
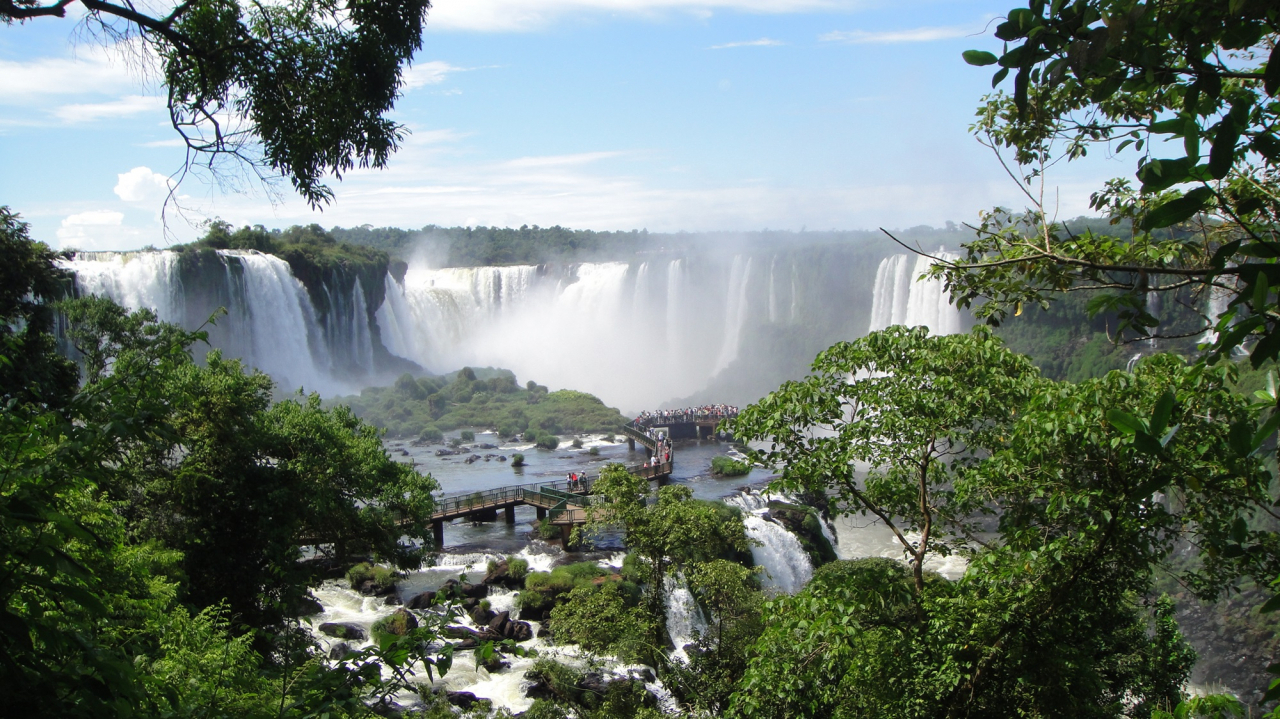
column 1235, row 644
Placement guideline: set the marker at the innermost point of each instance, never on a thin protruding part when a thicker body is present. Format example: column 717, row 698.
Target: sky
column 665, row 115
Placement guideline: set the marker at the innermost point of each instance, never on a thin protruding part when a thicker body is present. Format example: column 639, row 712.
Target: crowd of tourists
column 706, row 412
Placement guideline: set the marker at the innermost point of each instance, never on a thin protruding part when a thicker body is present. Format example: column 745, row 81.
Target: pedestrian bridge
column 562, row 503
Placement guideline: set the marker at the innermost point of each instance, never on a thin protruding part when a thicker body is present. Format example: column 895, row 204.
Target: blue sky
column 601, row 114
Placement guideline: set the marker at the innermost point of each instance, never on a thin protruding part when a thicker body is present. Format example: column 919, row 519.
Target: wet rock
column 399, row 623
column 544, row 631
column 499, row 622
column 422, row 601
column 446, row 452
column 393, row 600
column 340, row 651
column 482, row 616
column 518, row 631
column 462, row 700
column 464, row 590
column 343, row 630
column 502, row 458
column 486, row 445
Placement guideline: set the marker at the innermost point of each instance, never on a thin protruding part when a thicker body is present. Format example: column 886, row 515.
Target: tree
column 1128, row 76
column 302, row 89
column 918, row 412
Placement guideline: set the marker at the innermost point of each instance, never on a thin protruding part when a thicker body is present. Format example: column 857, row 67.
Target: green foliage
column 34, row 373
column 924, row 410
column 545, row 589
column 490, row 399
column 467, row 436
column 1190, row 87
column 548, row 441
column 730, row 595
column 309, row 87
column 599, row 618
column 594, row 451
column 577, row 443
column 727, row 466
column 517, row 568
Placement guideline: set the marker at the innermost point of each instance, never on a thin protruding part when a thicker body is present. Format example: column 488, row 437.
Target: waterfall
column 270, row 324
column 773, row 293
column 900, row 298
column 795, row 303
column 787, row 567
column 684, row 616
column 675, row 281
column 736, row 315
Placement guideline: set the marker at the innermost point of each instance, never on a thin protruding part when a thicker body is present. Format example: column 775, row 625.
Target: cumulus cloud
column 919, row 34
column 762, row 42
column 142, row 184
column 92, row 230
column 126, row 106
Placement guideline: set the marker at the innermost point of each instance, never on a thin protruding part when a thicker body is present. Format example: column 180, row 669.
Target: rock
column 340, row 651
column 499, row 621
column 422, row 601
column 371, row 588
column 594, row 683
column 502, row 458
column 544, row 631
column 343, row 630
column 462, row 700
column 486, row 445
column 399, row 623
column 519, row 631
column 482, row 616
column 309, row 607
column 393, row 600
column 454, row 588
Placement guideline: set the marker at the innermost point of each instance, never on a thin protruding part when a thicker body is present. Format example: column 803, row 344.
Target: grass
column 726, row 466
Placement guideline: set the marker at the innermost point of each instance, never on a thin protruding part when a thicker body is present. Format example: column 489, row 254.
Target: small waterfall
column 773, row 293
column 795, row 301
column 786, row 565
column 684, row 616
column 736, row 315
column 675, row 293
column 900, row 298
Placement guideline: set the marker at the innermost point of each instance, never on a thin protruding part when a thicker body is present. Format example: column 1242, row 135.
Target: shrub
column 383, row 578
column 577, row 443
column 517, row 460
column 397, row 624
column 729, row 467
column 594, row 451
column 430, row 433
column 517, row 568
column 531, row 435
column 467, row 435
column 508, row 429
column 455, row 442
column 548, row 441
column 610, row 437
column 547, row 530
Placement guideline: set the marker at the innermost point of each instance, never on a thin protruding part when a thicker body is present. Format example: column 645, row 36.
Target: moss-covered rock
column 805, row 523
column 397, row 624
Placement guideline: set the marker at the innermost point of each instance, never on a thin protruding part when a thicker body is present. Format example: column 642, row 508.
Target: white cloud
column 141, row 184
column 92, row 230
column 427, row 73
column 171, row 142
column 919, row 34
column 520, row 16
column 94, row 70
column 762, row 42
column 126, row 106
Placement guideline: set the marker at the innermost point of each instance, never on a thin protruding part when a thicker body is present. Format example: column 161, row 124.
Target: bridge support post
column 542, row 513
column 631, row 443
column 510, row 513
column 566, row 533
column 437, row 533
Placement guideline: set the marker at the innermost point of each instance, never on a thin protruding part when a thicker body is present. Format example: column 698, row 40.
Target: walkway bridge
column 562, row 503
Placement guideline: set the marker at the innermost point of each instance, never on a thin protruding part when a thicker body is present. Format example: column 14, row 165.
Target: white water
column 270, row 323
column 785, row 566
column 858, row 537
column 684, row 618
column 899, row 297
column 582, row 326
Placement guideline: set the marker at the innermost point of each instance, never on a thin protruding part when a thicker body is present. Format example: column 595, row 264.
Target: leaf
column 999, row 77
column 1267, row 347
column 1223, row 154
column 1163, row 410
column 1266, row 430
column 1177, row 210
column 1240, row 438
column 1271, row 76
column 979, row 58
column 1147, row 444
column 1168, row 436
column 1160, row 175
column 1125, row 422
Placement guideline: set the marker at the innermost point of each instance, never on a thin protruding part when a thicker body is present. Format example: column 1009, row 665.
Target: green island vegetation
column 727, row 466
column 425, row 407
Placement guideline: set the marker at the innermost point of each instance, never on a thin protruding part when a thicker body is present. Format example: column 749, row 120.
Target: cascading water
column 684, row 617
column 736, row 315
column 899, row 297
column 787, row 567
column 270, row 323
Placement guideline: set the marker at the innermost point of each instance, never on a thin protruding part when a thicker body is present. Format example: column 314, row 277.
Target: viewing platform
column 562, row 503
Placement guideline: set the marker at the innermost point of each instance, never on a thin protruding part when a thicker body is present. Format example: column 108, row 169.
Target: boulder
column 482, row 616
column 499, row 622
column 343, row 630
column 422, row 601
column 518, row 631
column 805, row 524
column 340, row 651
column 462, row 700
column 464, row 590
column 399, row 623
